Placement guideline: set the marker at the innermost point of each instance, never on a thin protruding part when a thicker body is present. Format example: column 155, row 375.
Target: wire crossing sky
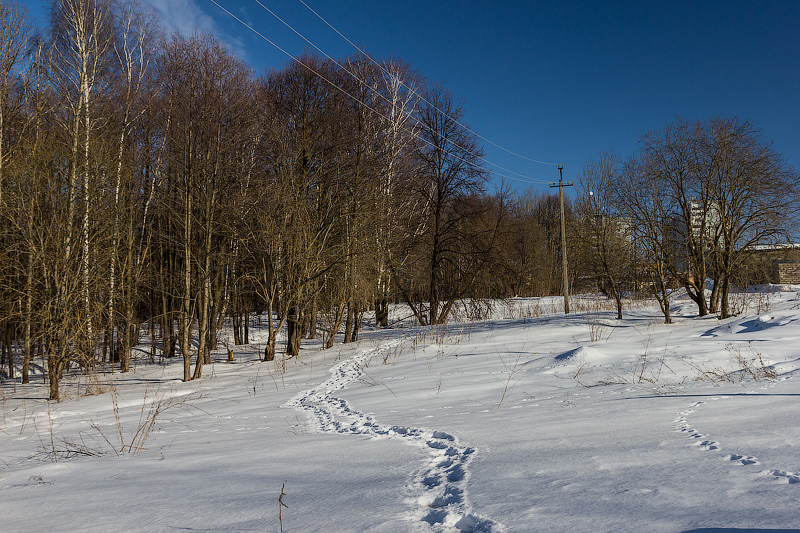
column 550, row 81
column 344, row 67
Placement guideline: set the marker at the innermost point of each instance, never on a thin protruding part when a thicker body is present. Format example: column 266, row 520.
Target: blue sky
column 555, row 81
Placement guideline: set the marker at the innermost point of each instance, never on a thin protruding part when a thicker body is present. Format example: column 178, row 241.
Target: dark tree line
column 154, row 188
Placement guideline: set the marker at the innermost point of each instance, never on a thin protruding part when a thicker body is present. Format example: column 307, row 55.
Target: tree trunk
column 89, row 343
column 28, row 319
column 312, row 321
column 237, row 330
column 152, row 324
column 294, row 324
column 382, row 312
column 55, row 366
column 715, row 293
column 186, row 311
column 357, row 319
column 334, row 327
column 348, row 324
column 9, row 351
column 269, row 349
column 53, row 371
column 129, row 338
column 618, row 300
column 724, row 311
column 204, row 325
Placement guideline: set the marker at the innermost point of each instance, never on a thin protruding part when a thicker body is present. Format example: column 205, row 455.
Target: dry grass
column 512, row 371
column 92, row 443
column 751, row 365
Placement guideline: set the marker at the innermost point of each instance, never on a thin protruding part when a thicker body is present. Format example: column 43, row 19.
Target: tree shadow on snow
column 737, row 530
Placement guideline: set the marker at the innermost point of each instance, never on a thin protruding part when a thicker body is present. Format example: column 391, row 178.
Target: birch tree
column 400, row 127
column 133, row 53
column 82, row 35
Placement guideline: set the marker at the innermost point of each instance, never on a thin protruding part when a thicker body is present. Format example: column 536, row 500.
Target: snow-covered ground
column 530, row 421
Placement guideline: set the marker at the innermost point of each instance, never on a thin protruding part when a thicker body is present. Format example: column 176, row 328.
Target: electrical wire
column 522, row 178
column 423, row 99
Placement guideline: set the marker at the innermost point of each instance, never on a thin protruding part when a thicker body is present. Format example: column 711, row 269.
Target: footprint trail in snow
column 438, row 491
column 705, row 443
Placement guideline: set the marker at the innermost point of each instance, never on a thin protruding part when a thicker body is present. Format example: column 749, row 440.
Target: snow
column 529, row 421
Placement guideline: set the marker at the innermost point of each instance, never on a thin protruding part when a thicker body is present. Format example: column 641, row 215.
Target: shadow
column 737, row 529
column 30, row 398
column 186, row 528
column 159, row 381
column 718, row 395
column 754, row 325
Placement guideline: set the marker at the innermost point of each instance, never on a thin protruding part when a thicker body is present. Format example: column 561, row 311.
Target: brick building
column 775, row 264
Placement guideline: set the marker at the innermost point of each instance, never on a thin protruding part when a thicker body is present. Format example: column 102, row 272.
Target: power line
column 423, row 99
column 526, row 179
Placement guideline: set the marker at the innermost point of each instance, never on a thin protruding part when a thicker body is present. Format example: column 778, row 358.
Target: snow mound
column 786, row 367
column 584, row 355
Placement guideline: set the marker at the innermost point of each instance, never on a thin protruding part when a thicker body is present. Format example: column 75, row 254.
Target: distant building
column 702, row 227
column 778, row 263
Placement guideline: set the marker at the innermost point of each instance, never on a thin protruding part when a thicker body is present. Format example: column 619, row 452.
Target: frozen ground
column 531, row 421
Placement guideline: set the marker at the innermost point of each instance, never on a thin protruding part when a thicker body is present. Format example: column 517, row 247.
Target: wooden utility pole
column 565, row 277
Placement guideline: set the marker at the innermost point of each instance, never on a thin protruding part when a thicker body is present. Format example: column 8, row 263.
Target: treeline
column 151, row 179
column 155, row 180
column 691, row 208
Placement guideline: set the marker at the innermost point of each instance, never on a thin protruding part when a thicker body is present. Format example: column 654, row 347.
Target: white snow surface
column 530, row 420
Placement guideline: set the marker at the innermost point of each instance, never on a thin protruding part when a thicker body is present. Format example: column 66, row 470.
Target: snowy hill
column 530, row 421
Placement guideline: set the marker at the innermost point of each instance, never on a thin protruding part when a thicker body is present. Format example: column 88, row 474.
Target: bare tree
column 450, row 170
column 133, row 52
column 401, row 87
column 676, row 157
column 645, row 201
column 305, row 162
column 209, row 95
column 717, row 189
column 604, row 232
column 754, row 196
column 15, row 32
column 83, row 36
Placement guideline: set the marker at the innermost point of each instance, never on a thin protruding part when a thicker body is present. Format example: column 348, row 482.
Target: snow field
column 537, row 422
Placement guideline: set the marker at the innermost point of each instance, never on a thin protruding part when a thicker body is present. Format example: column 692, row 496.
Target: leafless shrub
column 647, row 369
column 477, row 310
column 391, row 353
column 299, row 428
column 511, row 371
column 762, row 303
column 591, row 303
column 750, row 364
column 738, row 302
column 153, row 407
column 597, row 327
column 93, row 386
column 63, row 448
